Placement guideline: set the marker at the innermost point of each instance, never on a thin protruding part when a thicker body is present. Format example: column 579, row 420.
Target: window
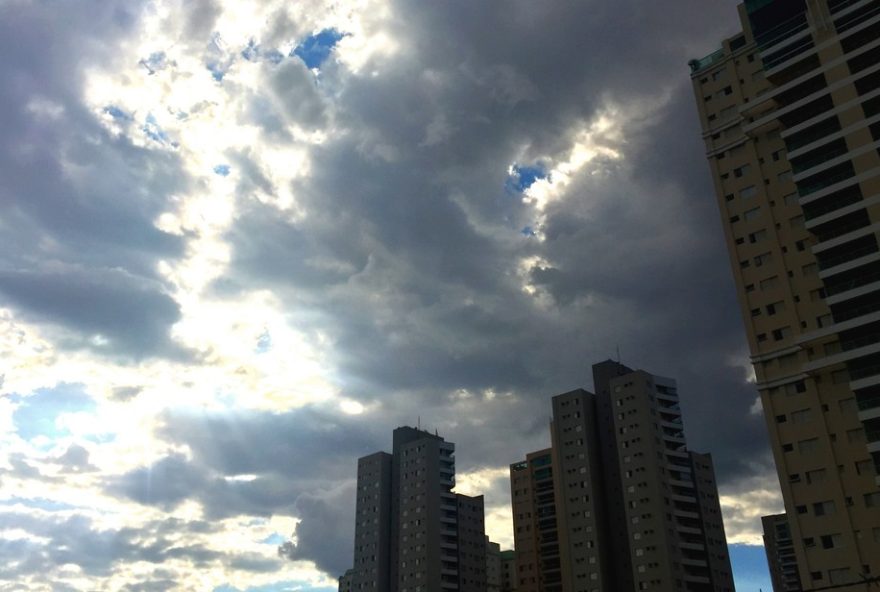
column 865, row 467
column 775, row 307
column 824, row 320
column 741, row 170
column 796, row 222
column 763, row 259
column 811, row 269
column 872, row 500
column 847, row 405
column 790, row 199
column 770, row 282
column 824, row 508
column 831, row 541
column 809, row 446
column 801, row 416
column 757, row 236
column 815, row 476
column 839, row 575
column 747, row 192
column 784, row 176
column 751, row 214
column 781, row 333
column 794, row 388
column 855, row 436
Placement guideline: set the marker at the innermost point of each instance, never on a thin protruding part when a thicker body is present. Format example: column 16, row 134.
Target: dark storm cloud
column 130, row 313
column 406, row 258
column 324, row 531
column 71, row 193
column 288, row 454
column 407, row 253
column 79, row 541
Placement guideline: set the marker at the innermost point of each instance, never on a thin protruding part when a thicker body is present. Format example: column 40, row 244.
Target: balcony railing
column 841, row 230
column 802, row 164
column 858, row 342
column 855, row 18
column 702, row 63
column 835, row 6
column 812, row 133
column 854, row 313
column 783, row 30
column 865, row 372
column 849, row 256
column 824, row 181
column 868, row 403
column 862, row 280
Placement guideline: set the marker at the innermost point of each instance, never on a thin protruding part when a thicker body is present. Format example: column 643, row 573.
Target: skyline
column 244, row 241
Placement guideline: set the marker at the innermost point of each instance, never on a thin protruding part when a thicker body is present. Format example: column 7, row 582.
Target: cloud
column 324, row 534
column 110, row 310
column 331, row 223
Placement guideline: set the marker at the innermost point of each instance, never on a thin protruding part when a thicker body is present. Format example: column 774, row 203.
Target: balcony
column 830, row 178
column 703, row 63
column 837, row 254
column 857, row 350
column 855, row 17
column 813, row 133
column 869, row 407
column 846, row 262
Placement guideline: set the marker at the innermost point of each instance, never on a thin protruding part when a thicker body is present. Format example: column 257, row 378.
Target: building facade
column 412, row 532
column 781, row 559
column 790, row 109
column 618, row 502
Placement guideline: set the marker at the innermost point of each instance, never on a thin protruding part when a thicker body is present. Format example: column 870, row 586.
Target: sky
column 244, row 241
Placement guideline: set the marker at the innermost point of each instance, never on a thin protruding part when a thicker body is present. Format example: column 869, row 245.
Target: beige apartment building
column 790, row 109
column 618, row 503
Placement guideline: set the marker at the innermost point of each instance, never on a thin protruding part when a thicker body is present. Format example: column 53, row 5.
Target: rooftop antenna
column 419, row 420
column 618, row 354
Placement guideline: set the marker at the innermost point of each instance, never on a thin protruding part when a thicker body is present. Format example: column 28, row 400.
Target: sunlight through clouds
column 246, row 239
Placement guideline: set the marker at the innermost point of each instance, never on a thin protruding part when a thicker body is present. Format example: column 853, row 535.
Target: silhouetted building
column 790, row 109
column 508, row 571
column 412, row 533
column 618, row 503
column 780, row 554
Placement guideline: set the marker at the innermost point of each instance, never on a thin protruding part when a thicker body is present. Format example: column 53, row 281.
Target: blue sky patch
column 274, row 539
column 750, row 570
column 37, row 415
column 222, row 170
column 155, row 62
column 117, row 113
column 264, row 342
column 39, row 503
column 217, row 71
column 316, row 48
column 523, row 177
column 153, row 131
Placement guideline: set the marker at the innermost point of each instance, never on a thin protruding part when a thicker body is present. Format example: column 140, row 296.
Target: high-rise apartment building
column 780, row 554
column 412, row 532
column 790, row 109
column 618, row 503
